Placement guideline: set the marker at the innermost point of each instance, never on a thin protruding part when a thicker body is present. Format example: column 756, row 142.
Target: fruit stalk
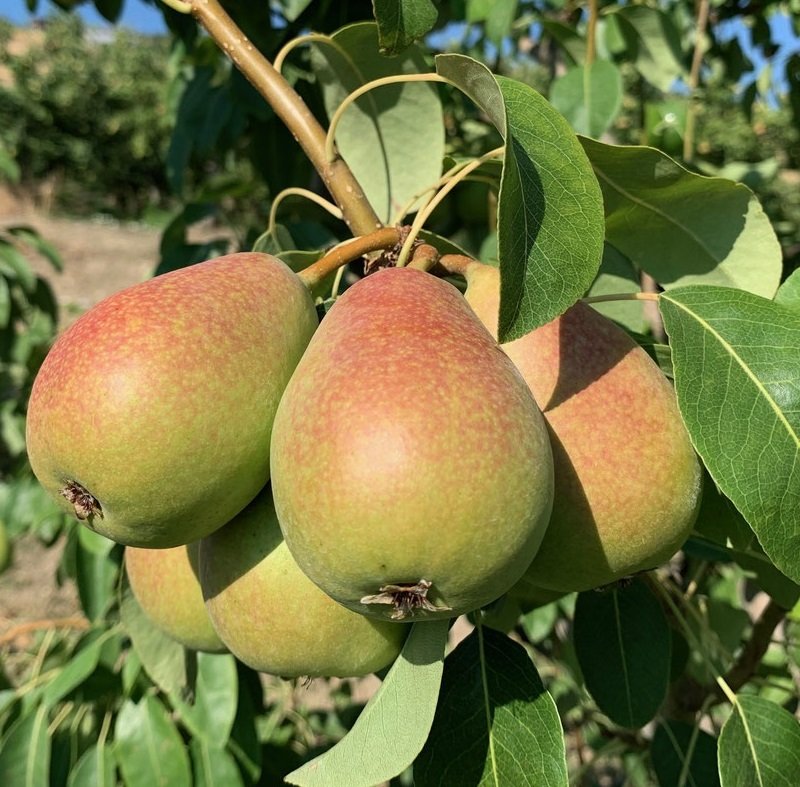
column 379, row 240
column 292, row 110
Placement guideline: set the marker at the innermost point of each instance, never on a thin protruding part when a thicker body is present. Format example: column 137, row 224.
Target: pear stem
column 622, row 296
column 424, row 257
column 379, row 240
column 456, row 264
column 292, row 110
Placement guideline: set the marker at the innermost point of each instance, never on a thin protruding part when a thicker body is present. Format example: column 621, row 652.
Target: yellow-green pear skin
column 411, row 467
column 627, row 481
column 276, row 620
column 165, row 583
column 151, row 416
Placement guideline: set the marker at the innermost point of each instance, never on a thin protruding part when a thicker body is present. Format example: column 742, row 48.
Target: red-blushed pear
column 273, row 617
column 166, row 585
column 627, row 481
column 411, row 467
column 151, row 416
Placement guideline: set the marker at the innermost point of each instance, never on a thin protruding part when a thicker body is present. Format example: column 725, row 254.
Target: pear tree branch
column 292, row 110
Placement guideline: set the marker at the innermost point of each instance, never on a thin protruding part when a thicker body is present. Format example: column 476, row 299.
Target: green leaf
column 373, row 135
column 78, row 669
column 109, row 9
column 25, row 752
column 684, row 756
column 499, row 20
column 550, row 223
column 148, row 748
column 653, row 44
column 737, row 378
column 15, row 267
column 392, row 728
column 495, row 723
column 95, row 768
column 617, row 275
column 401, row 22
column 708, row 230
column 572, row 43
column 216, row 692
column 622, row 641
column 788, row 293
column 96, row 577
column 291, row 9
column 42, row 246
column 759, row 745
column 162, row 658
column 5, row 303
column 213, row 766
column 589, row 97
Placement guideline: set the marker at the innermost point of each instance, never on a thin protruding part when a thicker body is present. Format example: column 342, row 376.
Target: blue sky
column 137, row 14
column 146, row 18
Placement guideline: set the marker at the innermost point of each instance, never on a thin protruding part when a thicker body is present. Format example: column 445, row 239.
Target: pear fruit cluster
column 296, row 492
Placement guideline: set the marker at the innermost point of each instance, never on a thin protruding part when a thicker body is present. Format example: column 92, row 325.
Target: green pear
column 628, row 482
column 275, row 619
column 151, row 416
column 166, row 585
column 411, row 468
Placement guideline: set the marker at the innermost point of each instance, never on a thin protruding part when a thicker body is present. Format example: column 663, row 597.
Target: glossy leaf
column 622, row 641
column 25, row 752
column 759, row 745
column 684, row 755
column 401, row 22
column 213, row 766
column 735, row 353
column 709, row 230
column 373, row 133
column 589, row 97
column 148, row 748
column 495, row 723
column 162, row 658
column 95, row 768
column 653, row 44
column 395, row 722
column 550, row 224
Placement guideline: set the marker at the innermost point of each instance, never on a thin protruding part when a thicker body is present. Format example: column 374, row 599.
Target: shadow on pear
column 165, row 583
column 627, row 480
column 276, row 620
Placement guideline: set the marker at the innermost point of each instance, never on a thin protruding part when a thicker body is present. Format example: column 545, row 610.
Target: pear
column 627, row 481
column 411, row 468
column 275, row 619
column 150, row 418
column 166, row 585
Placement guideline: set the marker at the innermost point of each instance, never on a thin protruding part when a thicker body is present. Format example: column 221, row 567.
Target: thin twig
column 80, row 624
column 694, row 79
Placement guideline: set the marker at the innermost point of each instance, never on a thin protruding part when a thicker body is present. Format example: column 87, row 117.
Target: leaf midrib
column 653, row 209
column 621, row 644
column 486, row 706
column 745, row 368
